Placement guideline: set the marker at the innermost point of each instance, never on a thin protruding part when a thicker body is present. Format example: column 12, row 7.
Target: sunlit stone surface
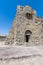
column 21, row 55
column 27, row 28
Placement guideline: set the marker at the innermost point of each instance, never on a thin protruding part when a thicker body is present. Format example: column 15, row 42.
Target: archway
column 27, row 35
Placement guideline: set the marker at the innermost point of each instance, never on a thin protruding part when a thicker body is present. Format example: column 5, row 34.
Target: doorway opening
column 28, row 35
column 27, row 38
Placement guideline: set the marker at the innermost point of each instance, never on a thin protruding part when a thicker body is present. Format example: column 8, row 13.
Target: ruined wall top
column 22, row 7
column 25, row 9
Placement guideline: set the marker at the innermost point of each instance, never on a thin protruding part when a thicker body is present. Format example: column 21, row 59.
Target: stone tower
column 27, row 28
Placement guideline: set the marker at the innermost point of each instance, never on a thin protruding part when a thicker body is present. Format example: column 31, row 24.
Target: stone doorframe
column 27, row 35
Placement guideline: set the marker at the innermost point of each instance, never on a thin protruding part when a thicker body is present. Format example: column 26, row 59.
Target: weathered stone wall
column 2, row 40
column 21, row 24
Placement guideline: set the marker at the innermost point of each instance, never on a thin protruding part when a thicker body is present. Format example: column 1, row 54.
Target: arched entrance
column 27, row 35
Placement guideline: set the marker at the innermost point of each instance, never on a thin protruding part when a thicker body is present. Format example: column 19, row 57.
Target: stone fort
column 27, row 28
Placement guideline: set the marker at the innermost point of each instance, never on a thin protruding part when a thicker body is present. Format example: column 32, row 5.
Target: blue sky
column 8, row 11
